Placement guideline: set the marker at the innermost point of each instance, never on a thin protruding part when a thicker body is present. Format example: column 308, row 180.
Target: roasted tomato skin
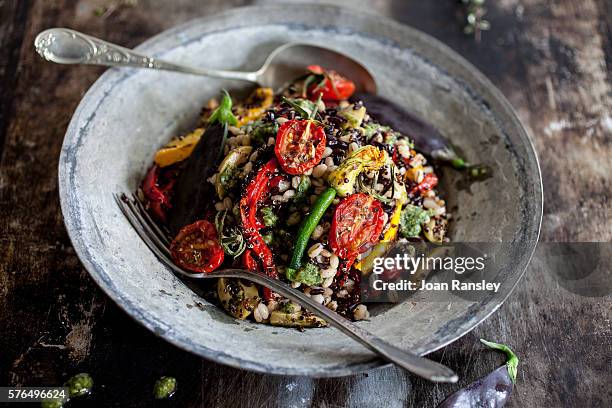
column 300, row 145
column 158, row 195
column 356, row 225
column 334, row 87
column 429, row 182
column 197, row 248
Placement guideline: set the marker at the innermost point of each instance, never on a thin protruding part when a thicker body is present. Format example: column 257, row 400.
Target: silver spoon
column 283, row 64
column 158, row 242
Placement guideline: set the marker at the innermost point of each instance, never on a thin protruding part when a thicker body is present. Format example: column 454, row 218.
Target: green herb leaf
column 230, row 239
column 511, row 361
column 305, row 109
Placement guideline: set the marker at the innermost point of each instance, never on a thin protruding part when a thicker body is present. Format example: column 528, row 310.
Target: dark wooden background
column 550, row 58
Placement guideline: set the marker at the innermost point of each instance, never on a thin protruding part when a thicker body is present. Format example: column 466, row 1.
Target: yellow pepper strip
column 266, row 96
column 413, row 173
column 367, row 264
column 178, row 149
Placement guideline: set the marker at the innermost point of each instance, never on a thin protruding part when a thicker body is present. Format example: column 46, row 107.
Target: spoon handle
column 420, row 366
column 65, row 46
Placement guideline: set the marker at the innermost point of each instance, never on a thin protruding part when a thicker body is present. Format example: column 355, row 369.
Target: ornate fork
column 158, row 242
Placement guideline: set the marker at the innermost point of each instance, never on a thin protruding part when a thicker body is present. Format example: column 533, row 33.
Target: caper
column 164, row 388
column 79, row 385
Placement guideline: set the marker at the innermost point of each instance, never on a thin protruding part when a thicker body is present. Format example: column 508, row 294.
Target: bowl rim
column 68, row 199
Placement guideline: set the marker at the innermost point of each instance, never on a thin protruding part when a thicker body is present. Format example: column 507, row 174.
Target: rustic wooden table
column 551, row 59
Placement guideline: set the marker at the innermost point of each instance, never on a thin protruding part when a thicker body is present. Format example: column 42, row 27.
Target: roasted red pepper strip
column 156, row 195
column 429, row 181
column 249, row 205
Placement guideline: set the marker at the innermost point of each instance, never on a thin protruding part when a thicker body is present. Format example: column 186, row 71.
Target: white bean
column 329, row 161
column 283, row 186
column 319, row 171
column 334, row 261
column 430, row 203
column 361, row 312
column 328, row 273
column 288, row 194
column 327, row 282
column 315, row 250
column 219, row 206
column 328, row 151
column 295, row 181
column 263, row 311
column 247, row 168
column 318, row 298
column 318, row 231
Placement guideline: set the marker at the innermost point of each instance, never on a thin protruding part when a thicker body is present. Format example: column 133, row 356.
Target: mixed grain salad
column 300, row 186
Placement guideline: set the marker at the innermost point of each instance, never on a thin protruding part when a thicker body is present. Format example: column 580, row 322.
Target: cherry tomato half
column 356, row 226
column 299, row 146
column 196, row 247
column 334, row 87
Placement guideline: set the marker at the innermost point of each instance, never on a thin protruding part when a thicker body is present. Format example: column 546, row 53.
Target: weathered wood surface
column 552, row 60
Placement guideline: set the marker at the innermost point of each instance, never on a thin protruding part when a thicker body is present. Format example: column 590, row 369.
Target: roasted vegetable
column 228, row 169
column 426, row 138
column 307, row 227
column 367, row 158
column 354, row 116
column 356, row 225
column 178, row 149
column 433, row 232
column 295, row 319
column 328, row 84
column 299, row 145
column 257, row 104
column 237, row 297
column 197, row 248
column 192, row 194
column 492, row 391
column 254, row 196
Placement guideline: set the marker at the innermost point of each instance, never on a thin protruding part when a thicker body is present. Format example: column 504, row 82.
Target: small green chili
column 164, row 388
column 308, row 226
column 79, row 385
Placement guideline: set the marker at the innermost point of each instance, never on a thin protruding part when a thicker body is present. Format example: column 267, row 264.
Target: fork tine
column 161, row 245
column 162, row 235
column 123, row 202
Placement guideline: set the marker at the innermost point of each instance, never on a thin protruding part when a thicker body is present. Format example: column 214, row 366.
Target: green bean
column 308, row 226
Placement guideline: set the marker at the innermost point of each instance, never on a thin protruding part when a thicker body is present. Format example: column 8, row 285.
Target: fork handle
column 420, row 366
column 65, row 46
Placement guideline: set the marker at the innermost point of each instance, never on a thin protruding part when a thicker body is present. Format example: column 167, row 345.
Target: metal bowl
column 127, row 114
